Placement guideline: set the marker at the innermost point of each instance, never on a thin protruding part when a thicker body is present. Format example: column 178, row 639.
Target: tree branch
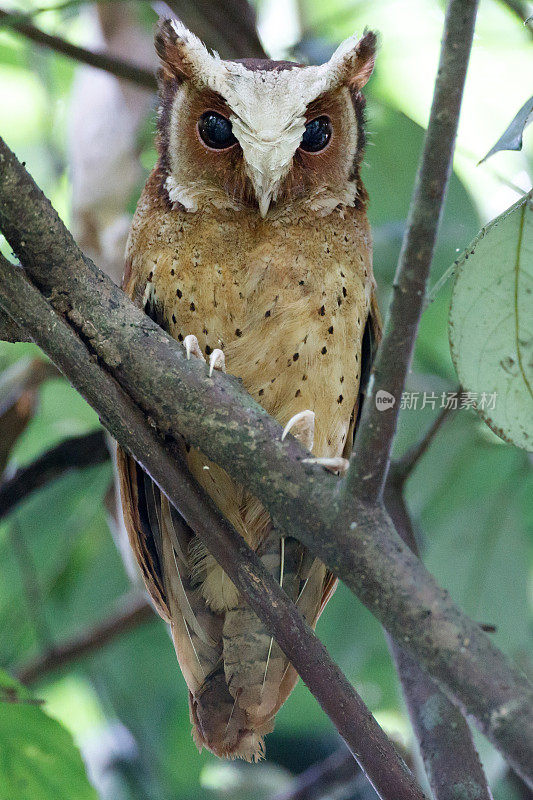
column 365, row 739
column 116, row 66
column 403, row 466
column 19, row 387
column 75, row 453
column 370, row 459
column 134, row 611
column 9, row 331
column 357, row 541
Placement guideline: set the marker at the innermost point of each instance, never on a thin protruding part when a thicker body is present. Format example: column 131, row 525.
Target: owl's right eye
column 215, row 131
column 316, row 135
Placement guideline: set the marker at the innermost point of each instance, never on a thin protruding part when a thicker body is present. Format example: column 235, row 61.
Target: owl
column 251, row 246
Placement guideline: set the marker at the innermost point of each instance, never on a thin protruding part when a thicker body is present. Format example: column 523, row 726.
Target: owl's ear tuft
column 363, row 65
column 185, row 57
column 171, row 49
column 353, row 62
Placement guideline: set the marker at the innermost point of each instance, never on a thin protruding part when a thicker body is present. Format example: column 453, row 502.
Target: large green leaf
column 491, row 323
column 38, row 758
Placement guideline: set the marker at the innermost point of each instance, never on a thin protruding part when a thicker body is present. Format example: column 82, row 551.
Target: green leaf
column 38, row 758
column 511, row 139
column 491, row 323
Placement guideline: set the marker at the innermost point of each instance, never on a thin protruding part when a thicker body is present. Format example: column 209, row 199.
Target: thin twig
column 78, row 452
column 370, row 459
column 357, row 541
column 404, row 465
column 132, row 611
column 19, row 385
column 116, row 66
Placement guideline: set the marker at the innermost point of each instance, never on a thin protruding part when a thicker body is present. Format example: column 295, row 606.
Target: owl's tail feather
column 221, row 725
column 237, row 675
column 235, row 706
column 254, row 664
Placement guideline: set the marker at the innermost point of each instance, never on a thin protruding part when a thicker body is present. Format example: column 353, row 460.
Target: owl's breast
column 286, row 302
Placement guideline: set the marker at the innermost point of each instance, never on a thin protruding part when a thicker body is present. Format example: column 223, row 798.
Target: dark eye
column 215, row 131
column 316, row 135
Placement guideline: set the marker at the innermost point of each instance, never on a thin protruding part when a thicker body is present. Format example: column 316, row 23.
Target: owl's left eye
column 316, row 135
column 216, row 131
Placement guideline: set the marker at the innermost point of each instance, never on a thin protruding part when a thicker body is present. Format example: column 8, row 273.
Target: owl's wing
column 160, row 539
column 142, row 540
column 369, row 345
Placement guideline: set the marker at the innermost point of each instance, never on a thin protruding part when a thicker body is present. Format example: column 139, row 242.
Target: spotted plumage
column 250, row 244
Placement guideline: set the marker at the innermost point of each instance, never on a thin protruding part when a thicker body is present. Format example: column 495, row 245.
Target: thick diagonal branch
column 373, row 445
column 373, row 750
column 357, row 541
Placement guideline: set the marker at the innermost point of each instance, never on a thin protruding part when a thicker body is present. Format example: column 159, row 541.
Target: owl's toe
column 337, row 465
column 217, row 360
column 302, row 427
column 192, row 347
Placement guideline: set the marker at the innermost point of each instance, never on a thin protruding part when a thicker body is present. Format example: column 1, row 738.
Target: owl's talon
column 192, row 347
column 217, row 360
column 302, row 427
column 337, row 464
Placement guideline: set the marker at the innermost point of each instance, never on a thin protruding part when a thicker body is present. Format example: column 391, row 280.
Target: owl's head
column 260, row 134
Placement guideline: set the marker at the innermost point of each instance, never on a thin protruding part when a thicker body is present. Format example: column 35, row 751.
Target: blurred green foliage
column 471, row 498
column 38, row 757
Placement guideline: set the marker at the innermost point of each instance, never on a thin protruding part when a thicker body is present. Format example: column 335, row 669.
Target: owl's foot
column 192, row 347
column 337, row 465
column 217, row 361
column 302, row 427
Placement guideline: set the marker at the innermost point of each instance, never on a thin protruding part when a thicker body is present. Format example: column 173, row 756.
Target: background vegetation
column 471, row 496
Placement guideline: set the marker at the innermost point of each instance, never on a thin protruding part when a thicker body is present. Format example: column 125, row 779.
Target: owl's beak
column 264, row 203
column 266, row 175
column 265, row 190
column 268, row 153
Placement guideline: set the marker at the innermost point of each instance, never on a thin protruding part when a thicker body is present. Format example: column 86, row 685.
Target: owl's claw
column 217, row 360
column 337, row 465
column 302, row 427
column 192, row 347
